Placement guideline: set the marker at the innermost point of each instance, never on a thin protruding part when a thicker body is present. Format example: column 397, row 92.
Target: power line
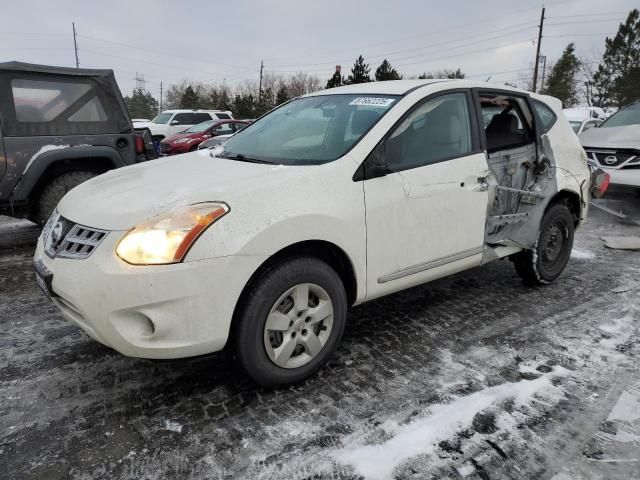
column 199, row 59
column 381, row 55
column 582, row 22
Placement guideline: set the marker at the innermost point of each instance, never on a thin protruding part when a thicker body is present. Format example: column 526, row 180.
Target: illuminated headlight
column 167, row 238
column 184, row 140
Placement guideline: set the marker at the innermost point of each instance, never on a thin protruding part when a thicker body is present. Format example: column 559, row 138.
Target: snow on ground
column 443, row 421
column 582, row 254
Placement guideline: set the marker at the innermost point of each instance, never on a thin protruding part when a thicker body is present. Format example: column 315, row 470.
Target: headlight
column 184, row 140
column 167, row 238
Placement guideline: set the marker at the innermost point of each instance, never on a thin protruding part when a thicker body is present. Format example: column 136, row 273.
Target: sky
column 214, row 41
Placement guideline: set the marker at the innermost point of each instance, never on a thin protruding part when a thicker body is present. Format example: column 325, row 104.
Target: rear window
column 43, row 101
column 546, row 115
column 92, row 111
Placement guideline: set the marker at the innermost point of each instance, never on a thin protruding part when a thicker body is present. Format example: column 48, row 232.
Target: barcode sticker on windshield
column 372, row 101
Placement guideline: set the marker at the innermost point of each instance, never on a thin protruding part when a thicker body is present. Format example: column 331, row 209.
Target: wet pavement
column 474, row 376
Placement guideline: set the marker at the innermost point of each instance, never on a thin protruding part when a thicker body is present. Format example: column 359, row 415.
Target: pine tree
column 359, row 72
column 189, row 98
column 282, row 95
column 386, row 72
column 244, row 106
column 561, row 82
column 141, row 104
column 336, row 80
column 617, row 79
column 446, row 73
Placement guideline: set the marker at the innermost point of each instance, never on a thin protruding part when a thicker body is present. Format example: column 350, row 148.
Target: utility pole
column 160, row 96
column 535, row 69
column 260, row 88
column 544, row 71
column 75, row 43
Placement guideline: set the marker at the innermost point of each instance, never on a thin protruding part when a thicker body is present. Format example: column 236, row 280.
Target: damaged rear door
column 521, row 177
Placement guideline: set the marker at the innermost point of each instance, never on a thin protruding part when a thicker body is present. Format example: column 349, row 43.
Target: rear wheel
column 292, row 320
column 55, row 190
column 549, row 256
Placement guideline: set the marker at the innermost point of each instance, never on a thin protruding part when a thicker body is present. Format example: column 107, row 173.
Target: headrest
column 362, row 120
column 503, row 122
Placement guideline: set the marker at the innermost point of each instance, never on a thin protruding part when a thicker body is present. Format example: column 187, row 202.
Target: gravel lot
column 472, row 376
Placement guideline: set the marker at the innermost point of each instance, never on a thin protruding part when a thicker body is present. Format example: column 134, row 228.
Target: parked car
column 59, row 127
column 330, row 200
column 585, row 112
column 615, row 145
column 583, row 125
column 189, row 140
column 170, row 122
column 214, row 142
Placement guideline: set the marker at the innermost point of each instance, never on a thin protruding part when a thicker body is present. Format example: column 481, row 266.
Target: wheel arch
column 326, row 251
column 573, row 202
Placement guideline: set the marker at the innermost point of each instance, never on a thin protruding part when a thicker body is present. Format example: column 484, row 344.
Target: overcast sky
column 212, row 41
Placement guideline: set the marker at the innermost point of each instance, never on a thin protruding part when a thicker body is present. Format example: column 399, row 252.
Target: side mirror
column 375, row 165
column 174, row 122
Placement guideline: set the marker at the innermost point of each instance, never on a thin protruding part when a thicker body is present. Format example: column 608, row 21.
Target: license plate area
column 43, row 278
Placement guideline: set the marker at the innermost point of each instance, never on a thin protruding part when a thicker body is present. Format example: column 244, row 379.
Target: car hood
column 612, row 137
column 122, row 198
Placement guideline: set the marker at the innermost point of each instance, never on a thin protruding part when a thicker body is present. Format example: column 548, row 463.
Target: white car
column 580, row 126
column 333, row 199
column 170, row 122
column 615, row 146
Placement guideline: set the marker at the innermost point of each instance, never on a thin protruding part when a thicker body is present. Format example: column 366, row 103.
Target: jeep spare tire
column 55, row 190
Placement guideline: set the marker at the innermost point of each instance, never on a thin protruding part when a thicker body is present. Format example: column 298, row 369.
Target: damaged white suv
column 331, row 200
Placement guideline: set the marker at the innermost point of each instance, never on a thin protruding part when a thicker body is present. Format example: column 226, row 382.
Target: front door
column 426, row 218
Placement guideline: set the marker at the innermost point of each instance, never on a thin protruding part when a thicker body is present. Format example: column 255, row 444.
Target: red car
column 189, row 140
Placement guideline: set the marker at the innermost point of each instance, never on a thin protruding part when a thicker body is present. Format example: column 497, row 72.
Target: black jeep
column 59, row 127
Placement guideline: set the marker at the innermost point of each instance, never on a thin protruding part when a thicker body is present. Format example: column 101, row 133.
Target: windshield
column 575, row 126
column 201, row 127
column 309, row 130
column 626, row 116
column 162, row 118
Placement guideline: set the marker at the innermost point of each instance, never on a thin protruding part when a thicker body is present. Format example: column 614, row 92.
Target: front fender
column 44, row 159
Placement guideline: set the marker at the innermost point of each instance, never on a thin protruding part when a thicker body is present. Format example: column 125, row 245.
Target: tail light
column 599, row 183
column 139, row 142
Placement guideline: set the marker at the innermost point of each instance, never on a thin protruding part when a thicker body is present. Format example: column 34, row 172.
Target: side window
column 506, row 125
column 92, row 111
column 437, row 130
column 183, row 119
column 222, row 116
column 224, row 129
column 43, row 101
column 200, row 117
column 545, row 115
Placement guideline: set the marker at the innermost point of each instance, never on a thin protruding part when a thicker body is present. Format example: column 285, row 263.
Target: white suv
column 331, row 200
column 170, row 122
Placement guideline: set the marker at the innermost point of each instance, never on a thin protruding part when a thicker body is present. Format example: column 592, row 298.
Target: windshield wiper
column 243, row 158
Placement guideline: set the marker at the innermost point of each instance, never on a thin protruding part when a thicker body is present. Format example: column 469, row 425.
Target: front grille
column 66, row 239
column 613, row 158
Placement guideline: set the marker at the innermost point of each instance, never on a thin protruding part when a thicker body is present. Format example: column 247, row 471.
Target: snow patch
column 172, row 426
column 376, row 462
column 582, row 254
column 44, row 149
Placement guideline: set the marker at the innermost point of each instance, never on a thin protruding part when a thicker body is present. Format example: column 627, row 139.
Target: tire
column 277, row 299
column 549, row 256
column 55, row 190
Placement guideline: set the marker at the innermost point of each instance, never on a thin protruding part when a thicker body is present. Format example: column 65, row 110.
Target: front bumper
column 159, row 311
column 175, row 148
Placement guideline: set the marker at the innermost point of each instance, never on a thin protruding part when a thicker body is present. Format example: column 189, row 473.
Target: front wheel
column 549, row 256
column 55, row 190
column 291, row 322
